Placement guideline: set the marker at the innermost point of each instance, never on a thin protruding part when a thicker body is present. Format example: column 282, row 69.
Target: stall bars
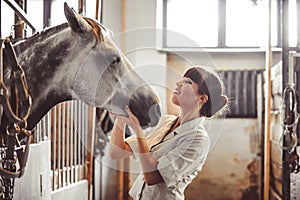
column 69, row 125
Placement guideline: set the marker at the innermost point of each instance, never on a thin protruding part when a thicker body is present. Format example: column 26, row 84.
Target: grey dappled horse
column 78, row 60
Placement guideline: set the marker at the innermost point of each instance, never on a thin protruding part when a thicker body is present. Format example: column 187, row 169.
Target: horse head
column 105, row 78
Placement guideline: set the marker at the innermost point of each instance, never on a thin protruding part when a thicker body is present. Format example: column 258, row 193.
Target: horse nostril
column 154, row 114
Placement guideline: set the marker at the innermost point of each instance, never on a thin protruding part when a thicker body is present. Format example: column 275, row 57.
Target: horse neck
column 44, row 66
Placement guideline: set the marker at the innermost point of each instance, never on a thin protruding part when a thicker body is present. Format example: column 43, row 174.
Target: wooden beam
column 267, row 135
column 97, row 10
column 91, row 147
column 123, row 182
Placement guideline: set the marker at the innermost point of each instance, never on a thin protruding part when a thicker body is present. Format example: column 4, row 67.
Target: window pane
column 7, row 16
column 192, row 23
column 247, row 25
column 35, row 12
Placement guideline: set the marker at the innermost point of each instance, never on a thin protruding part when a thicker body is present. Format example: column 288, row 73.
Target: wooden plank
column 267, row 109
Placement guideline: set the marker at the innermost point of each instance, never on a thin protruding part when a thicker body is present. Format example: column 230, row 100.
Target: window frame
column 221, row 46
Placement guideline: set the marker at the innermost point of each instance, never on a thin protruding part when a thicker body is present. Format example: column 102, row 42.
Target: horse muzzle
column 145, row 107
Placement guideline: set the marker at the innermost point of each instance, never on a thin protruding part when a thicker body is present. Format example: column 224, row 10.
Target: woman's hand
column 131, row 120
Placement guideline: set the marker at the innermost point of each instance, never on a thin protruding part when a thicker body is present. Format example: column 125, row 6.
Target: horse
column 79, row 60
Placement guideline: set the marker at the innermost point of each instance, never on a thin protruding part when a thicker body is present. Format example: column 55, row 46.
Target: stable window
column 218, row 23
column 192, row 21
column 247, row 23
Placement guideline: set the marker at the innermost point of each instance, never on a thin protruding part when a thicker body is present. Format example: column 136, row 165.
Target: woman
column 172, row 153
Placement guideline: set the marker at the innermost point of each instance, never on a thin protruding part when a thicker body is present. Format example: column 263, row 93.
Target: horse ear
column 76, row 22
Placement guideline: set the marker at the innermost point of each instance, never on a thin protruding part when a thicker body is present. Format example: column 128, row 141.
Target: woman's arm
column 118, row 147
column 149, row 164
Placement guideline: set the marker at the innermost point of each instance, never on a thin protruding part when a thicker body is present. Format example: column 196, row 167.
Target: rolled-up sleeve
column 184, row 158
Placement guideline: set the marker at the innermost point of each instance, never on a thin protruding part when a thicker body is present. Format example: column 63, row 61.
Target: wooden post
column 267, row 144
column 19, row 23
column 97, row 10
column 124, row 163
column 90, row 152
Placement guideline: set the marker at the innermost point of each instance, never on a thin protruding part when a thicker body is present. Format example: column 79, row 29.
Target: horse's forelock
column 96, row 29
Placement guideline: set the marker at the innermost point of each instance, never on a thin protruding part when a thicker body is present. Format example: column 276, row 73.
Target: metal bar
column 222, row 23
column 68, row 145
column 80, row 139
column 83, row 135
column 47, row 13
column 54, row 148
column 59, row 145
column 260, row 119
column 298, row 22
column 43, row 136
column 48, row 125
column 237, row 93
column 279, row 20
column 72, row 140
column 63, row 144
column 21, row 13
column 245, row 93
column 25, row 10
column 77, row 125
column 253, row 90
column 229, row 90
column 285, row 77
column 101, row 12
column 297, row 77
column 38, row 132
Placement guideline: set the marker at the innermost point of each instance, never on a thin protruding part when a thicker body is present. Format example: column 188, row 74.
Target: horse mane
column 36, row 37
column 49, row 31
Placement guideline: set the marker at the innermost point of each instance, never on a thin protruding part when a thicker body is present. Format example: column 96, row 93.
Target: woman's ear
column 203, row 98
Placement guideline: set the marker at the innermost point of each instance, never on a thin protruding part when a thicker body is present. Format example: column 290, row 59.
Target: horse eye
column 117, row 60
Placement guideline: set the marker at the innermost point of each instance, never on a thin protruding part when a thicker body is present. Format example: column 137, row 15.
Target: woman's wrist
column 139, row 132
column 119, row 123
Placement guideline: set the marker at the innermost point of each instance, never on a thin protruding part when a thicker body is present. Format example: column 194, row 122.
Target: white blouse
column 180, row 156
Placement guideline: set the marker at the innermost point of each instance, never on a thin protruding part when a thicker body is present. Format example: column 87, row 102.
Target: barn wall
column 231, row 163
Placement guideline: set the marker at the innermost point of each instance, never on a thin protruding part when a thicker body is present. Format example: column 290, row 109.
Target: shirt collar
column 189, row 125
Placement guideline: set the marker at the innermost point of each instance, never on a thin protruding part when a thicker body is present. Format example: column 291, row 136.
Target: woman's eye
column 188, row 81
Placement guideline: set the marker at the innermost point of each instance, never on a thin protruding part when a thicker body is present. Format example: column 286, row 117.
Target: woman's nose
column 178, row 83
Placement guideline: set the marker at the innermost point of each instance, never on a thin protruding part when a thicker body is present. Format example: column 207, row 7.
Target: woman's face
column 185, row 94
